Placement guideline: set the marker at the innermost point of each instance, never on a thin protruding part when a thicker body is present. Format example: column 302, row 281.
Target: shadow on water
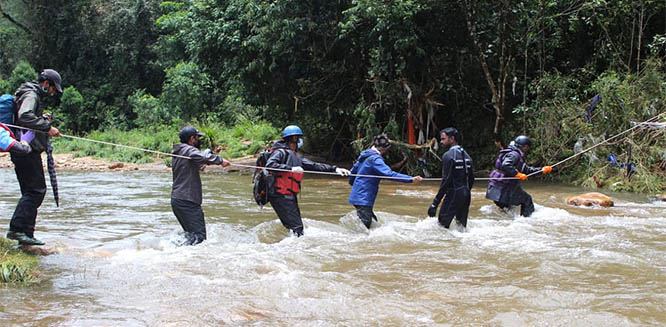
column 118, row 265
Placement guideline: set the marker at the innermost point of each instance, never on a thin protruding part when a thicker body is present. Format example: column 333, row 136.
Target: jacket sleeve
column 26, row 113
column 383, row 170
column 308, row 164
column 353, row 171
column 204, row 157
column 19, row 148
column 276, row 160
column 446, row 172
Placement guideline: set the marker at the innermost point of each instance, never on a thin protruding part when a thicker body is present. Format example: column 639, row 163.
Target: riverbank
column 17, row 266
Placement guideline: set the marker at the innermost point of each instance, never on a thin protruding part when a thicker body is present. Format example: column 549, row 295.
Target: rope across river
column 336, row 174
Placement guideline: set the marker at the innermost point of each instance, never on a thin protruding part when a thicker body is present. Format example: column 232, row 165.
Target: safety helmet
column 292, row 130
column 522, row 140
column 187, row 132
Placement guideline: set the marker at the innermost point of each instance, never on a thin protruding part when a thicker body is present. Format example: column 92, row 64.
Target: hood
column 512, row 146
column 27, row 87
column 179, row 148
column 366, row 153
column 281, row 144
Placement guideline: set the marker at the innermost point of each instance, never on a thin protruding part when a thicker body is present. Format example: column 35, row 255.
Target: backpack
column 7, row 109
column 262, row 179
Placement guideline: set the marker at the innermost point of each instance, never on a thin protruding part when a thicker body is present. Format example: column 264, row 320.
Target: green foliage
column 626, row 100
column 148, row 110
column 21, row 74
column 16, row 266
column 70, row 114
column 185, row 90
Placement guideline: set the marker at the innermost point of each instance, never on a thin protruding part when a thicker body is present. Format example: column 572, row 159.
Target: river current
column 118, row 265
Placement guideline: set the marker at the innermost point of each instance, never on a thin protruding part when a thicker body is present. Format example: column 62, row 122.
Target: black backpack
column 262, row 179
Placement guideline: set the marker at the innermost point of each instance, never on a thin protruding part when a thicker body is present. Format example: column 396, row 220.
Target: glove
column 207, row 152
column 297, row 169
column 432, row 211
column 342, row 171
column 521, row 176
column 546, row 169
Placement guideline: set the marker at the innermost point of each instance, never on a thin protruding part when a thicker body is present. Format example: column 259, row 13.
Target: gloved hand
column 342, row 171
column 207, row 152
column 432, row 211
column 521, row 176
column 546, row 169
column 297, row 169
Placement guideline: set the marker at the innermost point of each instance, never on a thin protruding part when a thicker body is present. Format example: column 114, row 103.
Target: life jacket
column 496, row 175
column 287, row 183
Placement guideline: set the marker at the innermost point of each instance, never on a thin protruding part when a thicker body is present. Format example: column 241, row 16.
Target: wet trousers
column 286, row 207
column 455, row 204
column 191, row 218
column 366, row 215
column 522, row 198
column 30, row 175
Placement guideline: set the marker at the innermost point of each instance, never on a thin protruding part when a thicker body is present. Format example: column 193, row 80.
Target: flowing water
column 118, row 265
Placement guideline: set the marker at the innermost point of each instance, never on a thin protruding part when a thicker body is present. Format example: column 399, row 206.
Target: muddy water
column 118, row 266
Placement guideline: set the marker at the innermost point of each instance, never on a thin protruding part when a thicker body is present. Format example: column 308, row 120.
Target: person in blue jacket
column 364, row 189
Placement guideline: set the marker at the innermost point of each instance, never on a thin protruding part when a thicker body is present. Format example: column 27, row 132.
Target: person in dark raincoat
column 364, row 189
column 457, row 181
column 29, row 168
column 287, row 184
column 511, row 163
column 186, row 192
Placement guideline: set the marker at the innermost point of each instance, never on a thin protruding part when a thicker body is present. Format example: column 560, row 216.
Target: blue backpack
column 7, row 109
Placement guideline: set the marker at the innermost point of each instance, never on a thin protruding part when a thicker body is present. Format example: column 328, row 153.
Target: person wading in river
column 364, row 189
column 186, row 193
column 28, row 167
column 287, row 184
column 457, row 181
column 511, row 163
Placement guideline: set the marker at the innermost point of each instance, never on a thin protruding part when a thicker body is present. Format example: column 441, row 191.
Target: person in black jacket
column 287, row 181
column 506, row 192
column 28, row 167
column 186, row 193
column 457, row 181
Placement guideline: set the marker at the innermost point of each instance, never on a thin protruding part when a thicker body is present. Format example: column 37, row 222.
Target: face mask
column 300, row 143
column 197, row 144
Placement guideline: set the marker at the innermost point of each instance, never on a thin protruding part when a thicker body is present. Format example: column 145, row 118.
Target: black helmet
column 187, row 132
column 381, row 142
column 522, row 140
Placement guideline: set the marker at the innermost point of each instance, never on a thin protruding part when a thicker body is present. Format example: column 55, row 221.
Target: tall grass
column 16, row 266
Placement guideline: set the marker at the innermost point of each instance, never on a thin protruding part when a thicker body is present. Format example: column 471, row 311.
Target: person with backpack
column 364, row 189
column 457, row 181
column 511, row 163
column 186, row 192
column 286, row 182
column 28, row 167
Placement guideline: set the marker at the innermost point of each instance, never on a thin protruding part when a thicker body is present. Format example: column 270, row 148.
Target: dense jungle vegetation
column 345, row 70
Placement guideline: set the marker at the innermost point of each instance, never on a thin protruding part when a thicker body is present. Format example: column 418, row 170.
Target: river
column 118, row 266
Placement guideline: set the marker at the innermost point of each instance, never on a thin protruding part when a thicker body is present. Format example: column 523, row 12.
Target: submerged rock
column 590, row 199
column 39, row 249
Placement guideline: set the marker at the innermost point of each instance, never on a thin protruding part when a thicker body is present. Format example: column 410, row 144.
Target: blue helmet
column 522, row 140
column 292, row 130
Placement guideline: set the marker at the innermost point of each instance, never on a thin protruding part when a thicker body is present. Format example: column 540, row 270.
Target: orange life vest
column 288, row 183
